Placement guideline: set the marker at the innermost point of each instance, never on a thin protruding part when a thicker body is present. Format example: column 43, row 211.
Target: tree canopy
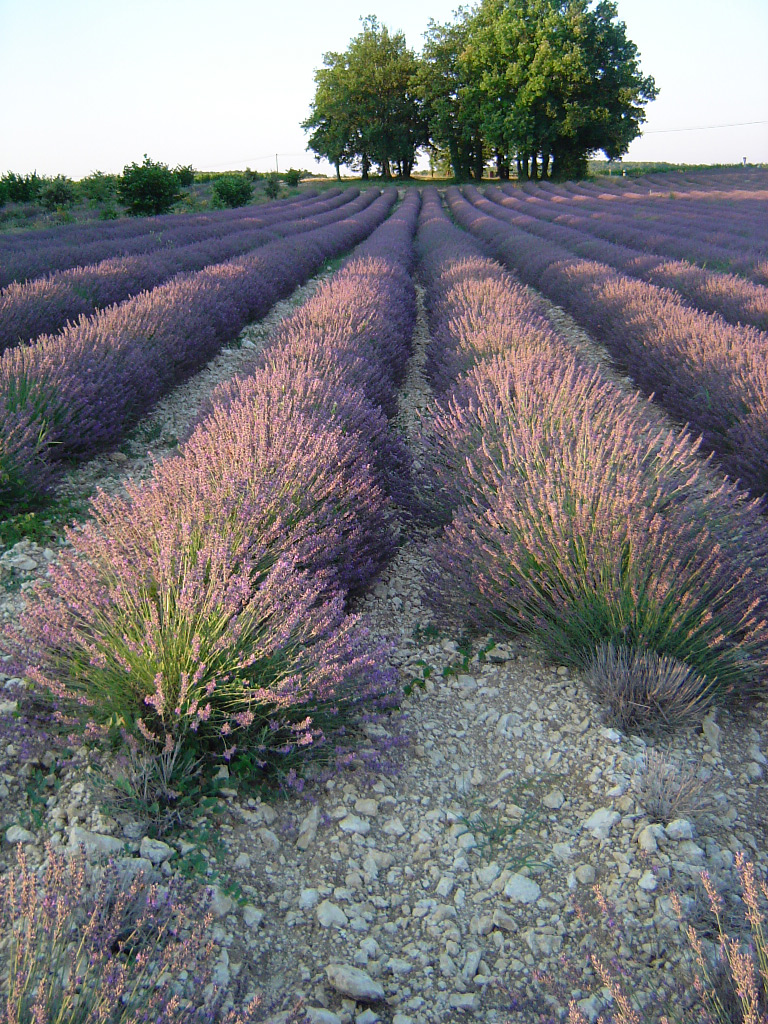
column 365, row 109
column 541, row 84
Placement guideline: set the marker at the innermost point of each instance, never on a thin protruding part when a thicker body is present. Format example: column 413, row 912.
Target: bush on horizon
column 148, row 188
column 232, row 190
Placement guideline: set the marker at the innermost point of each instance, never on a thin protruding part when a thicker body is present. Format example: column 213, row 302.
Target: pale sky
column 94, row 84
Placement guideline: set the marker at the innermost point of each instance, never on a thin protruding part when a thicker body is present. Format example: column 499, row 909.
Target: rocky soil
column 440, row 886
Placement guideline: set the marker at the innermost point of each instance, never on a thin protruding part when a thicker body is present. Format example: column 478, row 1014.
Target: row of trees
column 535, row 85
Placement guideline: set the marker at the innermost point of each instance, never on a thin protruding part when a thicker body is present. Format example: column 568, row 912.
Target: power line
column 702, row 128
column 254, row 159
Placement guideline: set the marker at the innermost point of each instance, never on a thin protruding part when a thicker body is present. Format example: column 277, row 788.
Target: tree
column 366, row 109
column 148, row 188
column 554, row 80
column 331, row 123
column 452, row 118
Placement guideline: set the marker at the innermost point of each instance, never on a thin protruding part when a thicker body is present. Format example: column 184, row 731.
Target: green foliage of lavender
column 578, row 517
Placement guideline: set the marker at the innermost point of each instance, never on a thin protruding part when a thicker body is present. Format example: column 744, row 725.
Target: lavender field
column 426, row 461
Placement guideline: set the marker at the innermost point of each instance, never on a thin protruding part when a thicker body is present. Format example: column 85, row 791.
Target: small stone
column 252, row 916
column 368, row 807
column 562, row 851
column 522, row 889
column 17, row 834
column 554, row 799
column 612, row 735
column 394, row 827
column 501, row 919
column 221, row 904
column 585, row 874
column 680, row 828
column 308, row 898
column 465, row 1001
column 600, row 822
column 402, row 1018
column 331, row 916
column 646, row 840
column 367, row 1017
column 155, row 850
column 24, row 563
column 269, row 838
column 487, row 876
column 308, row 829
column 445, row 885
column 351, row 981
column 466, row 841
column 318, row 1015
column 96, row 845
column 711, row 731
column 353, row 824
column 648, row 881
column 242, row 860
column 400, row 968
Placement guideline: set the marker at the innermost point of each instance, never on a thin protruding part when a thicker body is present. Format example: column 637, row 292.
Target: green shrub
column 99, row 187
column 185, row 175
column 292, row 177
column 22, row 188
column 148, row 188
column 272, row 187
column 58, row 191
column 232, row 190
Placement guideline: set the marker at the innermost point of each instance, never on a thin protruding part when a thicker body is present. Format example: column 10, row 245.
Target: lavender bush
column 581, row 518
column 734, row 298
column 46, row 304
column 69, row 396
column 29, row 255
column 702, row 370
column 92, row 953
column 205, row 611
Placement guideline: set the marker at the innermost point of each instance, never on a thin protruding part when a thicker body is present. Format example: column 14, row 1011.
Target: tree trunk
column 366, row 166
column 544, row 166
column 524, row 168
column 534, row 168
column 477, row 157
column 337, row 164
column 519, row 167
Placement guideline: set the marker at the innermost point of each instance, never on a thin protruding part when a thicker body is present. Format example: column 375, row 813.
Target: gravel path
column 435, row 889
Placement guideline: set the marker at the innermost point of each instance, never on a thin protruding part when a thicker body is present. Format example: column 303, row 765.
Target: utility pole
column 277, row 169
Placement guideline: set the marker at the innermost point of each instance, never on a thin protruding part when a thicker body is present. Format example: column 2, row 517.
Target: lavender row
column 575, row 515
column 734, row 298
column 70, row 395
column 734, row 226
column 672, row 227
column 710, row 246
column 34, row 260
column 206, row 609
column 702, row 370
column 127, row 227
column 45, row 305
